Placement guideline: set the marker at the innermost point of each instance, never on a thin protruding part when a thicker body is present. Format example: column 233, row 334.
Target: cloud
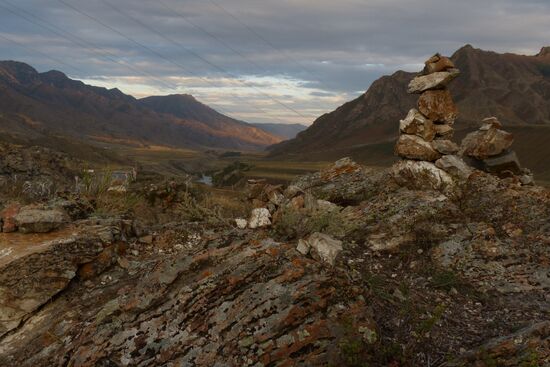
column 242, row 55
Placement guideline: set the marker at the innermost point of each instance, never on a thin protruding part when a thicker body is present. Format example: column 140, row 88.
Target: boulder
column 260, row 217
column 444, row 146
column 437, row 63
column 438, row 106
column 414, row 147
column 484, row 144
column 437, row 80
column 416, row 124
column 321, row 246
column 35, row 220
column 454, row 165
column 420, row 175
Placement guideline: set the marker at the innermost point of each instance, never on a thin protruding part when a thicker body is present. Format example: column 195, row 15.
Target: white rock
column 303, row 247
column 259, row 217
column 241, row 223
column 322, row 246
column 420, row 175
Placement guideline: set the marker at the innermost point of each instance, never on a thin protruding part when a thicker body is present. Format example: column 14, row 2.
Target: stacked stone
column 489, row 149
column 426, row 132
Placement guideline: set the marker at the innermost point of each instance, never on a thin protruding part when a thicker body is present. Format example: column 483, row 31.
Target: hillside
column 515, row 88
column 35, row 104
column 286, row 131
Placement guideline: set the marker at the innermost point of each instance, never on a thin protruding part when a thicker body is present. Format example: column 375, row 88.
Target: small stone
column 260, row 217
column 437, row 80
column 303, row 247
column 322, row 246
column 437, row 63
column 8, row 218
column 148, row 239
column 444, row 146
column 443, row 131
column 438, row 106
column 297, row 202
column 241, row 223
column 414, row 147
column 490, row 122
column 417, row 124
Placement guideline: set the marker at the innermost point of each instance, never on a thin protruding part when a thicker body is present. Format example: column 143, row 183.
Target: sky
column 283, row 61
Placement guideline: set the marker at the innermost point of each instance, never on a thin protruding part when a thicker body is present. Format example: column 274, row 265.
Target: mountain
column 33, row 104
column 515, row 88
column 286, row 131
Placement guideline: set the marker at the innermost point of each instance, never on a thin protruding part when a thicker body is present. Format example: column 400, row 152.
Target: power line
column 265, row 40
column 213, row 36
column 79, row 41
column 85, row 44
column 219, row 68
column 41, row 53
column 139, row 44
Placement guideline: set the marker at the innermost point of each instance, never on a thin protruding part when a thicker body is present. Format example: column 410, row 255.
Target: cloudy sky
column 259, row 60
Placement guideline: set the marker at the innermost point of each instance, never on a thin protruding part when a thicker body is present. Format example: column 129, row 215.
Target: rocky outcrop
column 246, row 303
column 34, row 270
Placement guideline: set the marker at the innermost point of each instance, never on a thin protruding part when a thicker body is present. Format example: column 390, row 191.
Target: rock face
column 35, row 272
column 240, row 304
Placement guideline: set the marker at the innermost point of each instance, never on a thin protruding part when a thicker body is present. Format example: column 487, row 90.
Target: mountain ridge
column 33, row 102
column 513, row 87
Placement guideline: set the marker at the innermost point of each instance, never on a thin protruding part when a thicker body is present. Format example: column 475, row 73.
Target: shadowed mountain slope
column 33, row 103
column 515, row 88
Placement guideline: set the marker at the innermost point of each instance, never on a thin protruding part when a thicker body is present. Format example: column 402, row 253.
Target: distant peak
column 55, row 74
column 467, row 48
column 545, row 51
column 17, row 67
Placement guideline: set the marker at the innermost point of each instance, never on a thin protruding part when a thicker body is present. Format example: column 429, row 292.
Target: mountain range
column 33, row 104
column 515, row 88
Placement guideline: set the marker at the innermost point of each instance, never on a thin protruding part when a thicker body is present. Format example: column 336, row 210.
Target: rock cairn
column 488, row 149
column 425, row 132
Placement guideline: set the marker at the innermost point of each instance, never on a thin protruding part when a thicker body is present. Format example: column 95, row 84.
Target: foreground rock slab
column 247, row 303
